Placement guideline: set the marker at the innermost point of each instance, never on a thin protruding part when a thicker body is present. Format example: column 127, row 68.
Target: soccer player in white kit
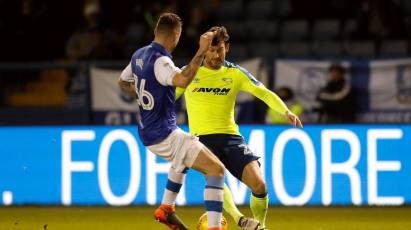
column 152, row 77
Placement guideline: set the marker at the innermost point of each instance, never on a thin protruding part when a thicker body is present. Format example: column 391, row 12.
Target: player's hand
column 293, row 119
column 205, row 41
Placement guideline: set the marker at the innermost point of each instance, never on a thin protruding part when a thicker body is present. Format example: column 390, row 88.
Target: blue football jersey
column 156, row 101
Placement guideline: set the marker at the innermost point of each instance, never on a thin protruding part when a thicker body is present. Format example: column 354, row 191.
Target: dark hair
column 222, row 35
column 337, row 67
column 168, row 22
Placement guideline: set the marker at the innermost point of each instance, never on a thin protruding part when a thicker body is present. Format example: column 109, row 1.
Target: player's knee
column 220, row 169
column 259, row 186
column 217, row 169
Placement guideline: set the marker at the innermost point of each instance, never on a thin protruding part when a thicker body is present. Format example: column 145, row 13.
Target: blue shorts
column 231, row 150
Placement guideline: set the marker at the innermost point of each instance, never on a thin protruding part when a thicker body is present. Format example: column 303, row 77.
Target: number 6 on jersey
column 148, row 103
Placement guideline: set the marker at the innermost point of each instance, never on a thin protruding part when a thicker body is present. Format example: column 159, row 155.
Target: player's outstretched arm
column 293, row 119
column 273, row 101
column 126, row 81
column 184, row 78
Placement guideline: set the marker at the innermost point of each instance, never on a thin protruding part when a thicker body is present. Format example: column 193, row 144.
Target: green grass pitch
column 140, row 217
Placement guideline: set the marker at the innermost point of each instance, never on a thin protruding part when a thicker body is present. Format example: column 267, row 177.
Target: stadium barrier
column 97, row 165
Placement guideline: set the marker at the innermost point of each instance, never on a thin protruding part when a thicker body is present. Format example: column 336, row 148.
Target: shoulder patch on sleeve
column 244, row 71
column 164, row 70
column 229, row 64
column 249, row 75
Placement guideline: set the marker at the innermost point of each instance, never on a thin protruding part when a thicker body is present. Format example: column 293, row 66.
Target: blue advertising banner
column 97, row 165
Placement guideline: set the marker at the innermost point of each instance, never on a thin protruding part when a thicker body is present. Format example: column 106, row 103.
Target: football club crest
column 227, row 80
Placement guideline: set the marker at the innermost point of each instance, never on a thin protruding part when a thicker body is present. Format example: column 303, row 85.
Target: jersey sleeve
column 165, row 70
column 179, row 92
column 127, row 74
column 251, row 85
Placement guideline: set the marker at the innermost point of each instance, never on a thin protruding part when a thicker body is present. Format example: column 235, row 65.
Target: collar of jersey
column 161, row 49
column 222, row 68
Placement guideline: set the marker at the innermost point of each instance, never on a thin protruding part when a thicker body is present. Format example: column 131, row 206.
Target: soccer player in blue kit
column 152, row 77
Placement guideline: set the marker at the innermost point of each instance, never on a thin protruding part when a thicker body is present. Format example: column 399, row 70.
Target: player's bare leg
column 207, row 163
column 254, row 179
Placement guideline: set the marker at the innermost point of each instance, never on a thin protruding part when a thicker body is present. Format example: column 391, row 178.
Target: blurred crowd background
column 47, row 47
column 46, row 30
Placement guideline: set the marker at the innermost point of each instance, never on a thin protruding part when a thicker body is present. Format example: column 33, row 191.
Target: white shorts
column 180, row 148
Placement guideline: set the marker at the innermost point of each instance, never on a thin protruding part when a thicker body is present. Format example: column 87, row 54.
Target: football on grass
column 202, row 223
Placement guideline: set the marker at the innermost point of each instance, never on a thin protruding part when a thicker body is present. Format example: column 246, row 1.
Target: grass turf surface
column 124, row 218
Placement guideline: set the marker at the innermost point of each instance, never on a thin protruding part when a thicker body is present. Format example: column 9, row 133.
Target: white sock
column 213, row 199
column 174, row 183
